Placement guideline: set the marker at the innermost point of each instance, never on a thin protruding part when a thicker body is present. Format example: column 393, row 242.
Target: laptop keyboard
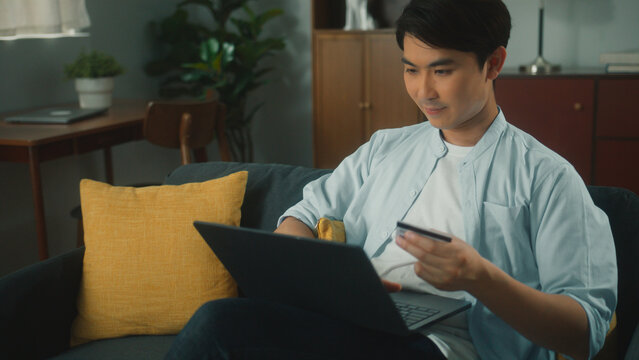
column 413, row 314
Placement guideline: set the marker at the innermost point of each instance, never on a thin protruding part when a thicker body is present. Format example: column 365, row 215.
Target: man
column 529, row 250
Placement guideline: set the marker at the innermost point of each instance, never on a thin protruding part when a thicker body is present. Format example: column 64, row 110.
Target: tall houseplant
column 225, row 59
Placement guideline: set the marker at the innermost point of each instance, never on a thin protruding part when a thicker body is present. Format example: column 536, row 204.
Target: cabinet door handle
column 364, row 105
column 577, row 106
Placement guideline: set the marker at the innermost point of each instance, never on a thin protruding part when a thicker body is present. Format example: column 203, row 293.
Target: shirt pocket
column 507, row 241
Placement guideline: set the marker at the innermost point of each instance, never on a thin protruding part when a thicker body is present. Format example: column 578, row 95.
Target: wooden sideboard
column 585, row 115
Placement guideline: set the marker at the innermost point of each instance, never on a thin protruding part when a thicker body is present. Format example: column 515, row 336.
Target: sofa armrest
column 633, row 349
column 37, row 306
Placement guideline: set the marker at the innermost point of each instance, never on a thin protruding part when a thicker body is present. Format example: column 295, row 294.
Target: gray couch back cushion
column 270, row 190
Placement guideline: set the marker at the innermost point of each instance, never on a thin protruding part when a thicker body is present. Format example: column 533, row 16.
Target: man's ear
column 495, row 63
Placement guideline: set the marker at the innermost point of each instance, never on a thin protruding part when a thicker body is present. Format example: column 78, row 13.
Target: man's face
column 447, row 85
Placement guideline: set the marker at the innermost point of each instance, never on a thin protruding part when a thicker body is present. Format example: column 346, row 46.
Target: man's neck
column 469, row 133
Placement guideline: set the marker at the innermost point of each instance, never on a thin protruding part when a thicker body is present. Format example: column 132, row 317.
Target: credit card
column 402, row 227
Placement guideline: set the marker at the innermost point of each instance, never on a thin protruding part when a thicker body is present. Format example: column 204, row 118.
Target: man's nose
column 427, row 88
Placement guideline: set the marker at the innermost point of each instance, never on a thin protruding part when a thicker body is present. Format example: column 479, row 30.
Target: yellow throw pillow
column 146, row 268
column 332, row 230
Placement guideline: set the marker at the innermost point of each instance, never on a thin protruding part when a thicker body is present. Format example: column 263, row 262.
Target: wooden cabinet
column 617, row 134
column 585, row 116
column 358, row 85
column 390, row 106
column 556, row 111
column 358, row 89
column 338, row 98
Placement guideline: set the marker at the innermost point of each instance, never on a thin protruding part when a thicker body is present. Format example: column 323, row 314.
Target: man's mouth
column 433, row 110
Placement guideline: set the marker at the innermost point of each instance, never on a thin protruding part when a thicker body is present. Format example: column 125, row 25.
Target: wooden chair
column 188, row 126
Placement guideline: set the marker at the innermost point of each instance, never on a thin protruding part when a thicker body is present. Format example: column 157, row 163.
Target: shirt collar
column 490, row 137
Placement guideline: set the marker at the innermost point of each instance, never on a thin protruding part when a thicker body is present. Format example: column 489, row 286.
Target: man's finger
column 391, row 286
column 416, row 246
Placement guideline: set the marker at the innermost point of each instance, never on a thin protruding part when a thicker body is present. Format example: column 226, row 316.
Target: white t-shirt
column 438, row 206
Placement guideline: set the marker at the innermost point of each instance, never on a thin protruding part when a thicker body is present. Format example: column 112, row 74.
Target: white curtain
column 25, row 17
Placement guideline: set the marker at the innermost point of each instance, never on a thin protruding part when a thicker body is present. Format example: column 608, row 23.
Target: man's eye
column 443, row 71
column 410, row 71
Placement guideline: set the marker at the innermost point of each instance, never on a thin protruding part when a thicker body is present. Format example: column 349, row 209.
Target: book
column 622, row 68
column 620, row 57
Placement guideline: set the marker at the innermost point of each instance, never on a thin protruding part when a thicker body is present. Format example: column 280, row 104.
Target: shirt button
column 413, row 193
column 385, row 234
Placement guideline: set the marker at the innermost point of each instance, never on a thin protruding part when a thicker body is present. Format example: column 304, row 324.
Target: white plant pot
column 94, row 93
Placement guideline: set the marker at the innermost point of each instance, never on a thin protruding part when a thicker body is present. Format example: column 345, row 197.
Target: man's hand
column 447, row 266
column 391, row 287
column 553, row 321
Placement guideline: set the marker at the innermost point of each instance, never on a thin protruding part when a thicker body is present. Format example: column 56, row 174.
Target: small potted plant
column 93, row 73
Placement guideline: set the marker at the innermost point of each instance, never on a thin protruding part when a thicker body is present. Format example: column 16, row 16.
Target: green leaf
column 242, row 82
column 268, row 15
column 262, row 72
column 206, row 3
column 248, row 11
column 228, row 51
column 191, row 76
column 209, row 49
column 243, row 27
column 249, row 117
column 196, row 66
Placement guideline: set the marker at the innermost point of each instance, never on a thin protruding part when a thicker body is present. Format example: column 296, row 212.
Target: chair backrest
column 187, row 126
column 622, row 208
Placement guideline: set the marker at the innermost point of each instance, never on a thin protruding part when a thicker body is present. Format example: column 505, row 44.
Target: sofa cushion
column 271, row 188
column 152, row 347
column 37, row 307
column 622, row 208
column 146, row 269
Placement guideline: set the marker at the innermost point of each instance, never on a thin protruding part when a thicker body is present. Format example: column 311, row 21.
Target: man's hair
column 477, row 26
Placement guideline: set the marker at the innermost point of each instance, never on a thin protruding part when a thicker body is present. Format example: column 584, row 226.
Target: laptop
column 55, row 115
column 334, row 279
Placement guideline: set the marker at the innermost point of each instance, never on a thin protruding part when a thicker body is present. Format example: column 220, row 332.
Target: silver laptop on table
column 55, row 115
column 334, row 279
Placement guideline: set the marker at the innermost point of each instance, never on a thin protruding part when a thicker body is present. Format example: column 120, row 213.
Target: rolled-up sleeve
column 330, row 195
column 574, row 249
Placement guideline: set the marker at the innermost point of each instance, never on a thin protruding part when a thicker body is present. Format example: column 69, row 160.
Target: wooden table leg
column 108, row 165
column 38, row 203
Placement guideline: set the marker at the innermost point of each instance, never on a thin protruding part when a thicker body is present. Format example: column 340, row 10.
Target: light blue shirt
column 525, row 209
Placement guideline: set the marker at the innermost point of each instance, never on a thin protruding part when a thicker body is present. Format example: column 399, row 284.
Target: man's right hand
column 391, row 287
column 292, row 226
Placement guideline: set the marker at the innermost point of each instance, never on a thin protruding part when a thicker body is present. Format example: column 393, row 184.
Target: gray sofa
column 38, row 303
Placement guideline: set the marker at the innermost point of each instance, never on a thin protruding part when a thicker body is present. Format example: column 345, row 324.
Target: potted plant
column 93, row 73
column 222, row 59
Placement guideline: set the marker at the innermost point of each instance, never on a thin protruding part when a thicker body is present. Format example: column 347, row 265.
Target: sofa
column 38, row 303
